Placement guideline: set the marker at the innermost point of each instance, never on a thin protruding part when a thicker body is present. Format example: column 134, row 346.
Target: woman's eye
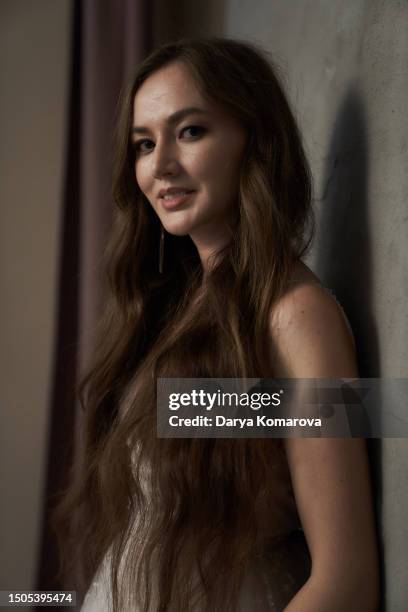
column 138, row 145
column 195, row 128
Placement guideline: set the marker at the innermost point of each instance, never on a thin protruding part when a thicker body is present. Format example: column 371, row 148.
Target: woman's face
column 198, row 150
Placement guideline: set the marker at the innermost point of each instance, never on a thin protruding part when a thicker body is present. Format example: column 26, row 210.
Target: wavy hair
column 178, row 516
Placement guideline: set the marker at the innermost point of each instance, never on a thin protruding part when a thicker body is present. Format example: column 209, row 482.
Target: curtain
column 109, row 39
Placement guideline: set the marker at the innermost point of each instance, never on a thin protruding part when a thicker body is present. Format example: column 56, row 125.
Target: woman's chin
column 177, row 229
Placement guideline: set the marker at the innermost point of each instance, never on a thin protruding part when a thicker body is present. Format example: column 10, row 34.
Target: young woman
column 213, row 195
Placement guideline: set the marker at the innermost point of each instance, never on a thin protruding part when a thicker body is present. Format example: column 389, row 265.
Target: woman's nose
column 165, row 160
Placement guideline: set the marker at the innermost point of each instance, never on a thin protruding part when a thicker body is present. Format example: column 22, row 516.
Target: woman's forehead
column 165, row 91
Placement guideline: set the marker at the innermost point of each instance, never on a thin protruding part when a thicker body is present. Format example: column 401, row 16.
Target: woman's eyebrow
column 172, row 119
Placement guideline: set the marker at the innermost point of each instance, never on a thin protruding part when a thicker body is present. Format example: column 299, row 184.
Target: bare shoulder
column 309, row 337
column 330, row 476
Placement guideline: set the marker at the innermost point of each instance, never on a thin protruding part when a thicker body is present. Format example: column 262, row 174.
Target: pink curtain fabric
column 109, row 39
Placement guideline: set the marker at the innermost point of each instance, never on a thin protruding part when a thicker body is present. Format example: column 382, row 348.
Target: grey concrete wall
column 346, row 64
column 347, row 78
column 34, row 40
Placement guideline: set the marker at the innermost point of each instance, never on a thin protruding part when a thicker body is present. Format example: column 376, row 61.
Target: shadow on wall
column 344, row 253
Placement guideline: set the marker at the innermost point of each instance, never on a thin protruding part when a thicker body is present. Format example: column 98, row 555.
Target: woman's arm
column 330, row 476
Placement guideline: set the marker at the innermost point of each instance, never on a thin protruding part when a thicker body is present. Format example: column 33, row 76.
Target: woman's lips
column 169, row 204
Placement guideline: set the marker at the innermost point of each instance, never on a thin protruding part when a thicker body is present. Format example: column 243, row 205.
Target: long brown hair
column 183, row 510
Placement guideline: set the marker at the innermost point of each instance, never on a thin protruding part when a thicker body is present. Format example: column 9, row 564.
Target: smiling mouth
column 175, row 200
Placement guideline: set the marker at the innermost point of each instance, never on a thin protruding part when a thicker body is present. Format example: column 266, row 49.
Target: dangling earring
column 161, row 250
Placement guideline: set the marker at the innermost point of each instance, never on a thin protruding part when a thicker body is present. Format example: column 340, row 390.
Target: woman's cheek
column 142, row 183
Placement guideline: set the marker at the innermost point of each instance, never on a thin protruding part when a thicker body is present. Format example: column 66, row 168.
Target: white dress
column 273, row 577
column 268, row 587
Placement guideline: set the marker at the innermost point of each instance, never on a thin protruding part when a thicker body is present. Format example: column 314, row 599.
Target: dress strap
column 332, row 294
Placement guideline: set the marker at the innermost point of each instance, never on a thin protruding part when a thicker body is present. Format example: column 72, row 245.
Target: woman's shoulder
column 303, row 289
column 309, row 331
